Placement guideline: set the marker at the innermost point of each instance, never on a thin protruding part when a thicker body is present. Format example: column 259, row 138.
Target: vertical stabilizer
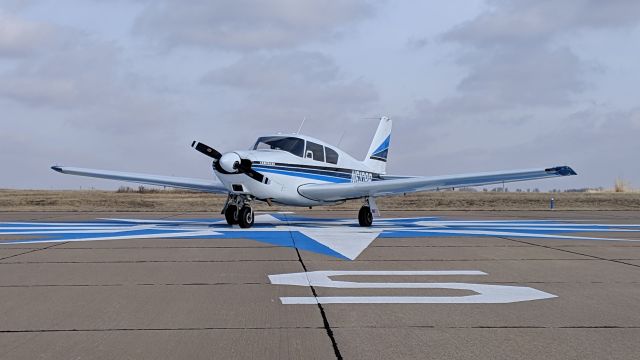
column 376, row 158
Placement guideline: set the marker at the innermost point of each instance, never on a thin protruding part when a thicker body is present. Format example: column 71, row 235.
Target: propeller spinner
column 230, row 162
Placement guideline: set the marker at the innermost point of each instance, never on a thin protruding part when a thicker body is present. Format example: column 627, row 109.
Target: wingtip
column 562, row 170
column 57, row 168
column 566, row 171
column 193, row 144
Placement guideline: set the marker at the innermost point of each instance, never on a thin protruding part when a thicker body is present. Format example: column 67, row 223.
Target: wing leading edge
column 160, row 180
column 336, row 192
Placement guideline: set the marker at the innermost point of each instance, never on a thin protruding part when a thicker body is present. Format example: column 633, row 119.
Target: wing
column 395, row 185
column 176, row 182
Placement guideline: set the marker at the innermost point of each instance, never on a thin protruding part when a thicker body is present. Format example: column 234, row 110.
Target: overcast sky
column 471, row 85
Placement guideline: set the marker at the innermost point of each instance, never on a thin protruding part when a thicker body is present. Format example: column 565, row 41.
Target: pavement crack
column 31, row 251
column 569, row 251
column 325, row 320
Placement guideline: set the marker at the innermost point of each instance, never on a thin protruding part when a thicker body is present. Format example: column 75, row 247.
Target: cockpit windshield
column 289, row 144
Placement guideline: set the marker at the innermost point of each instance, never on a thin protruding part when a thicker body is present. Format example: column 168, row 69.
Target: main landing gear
column 365, row 215
column 238, row 211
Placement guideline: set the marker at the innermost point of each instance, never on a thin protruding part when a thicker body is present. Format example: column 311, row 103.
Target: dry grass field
column 184, row 201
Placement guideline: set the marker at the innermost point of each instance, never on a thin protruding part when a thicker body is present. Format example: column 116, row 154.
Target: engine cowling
column 230, row 162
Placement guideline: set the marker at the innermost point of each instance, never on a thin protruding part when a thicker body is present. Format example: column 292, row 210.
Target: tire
column 231, row 214
column 245, row 218
column 365, row 217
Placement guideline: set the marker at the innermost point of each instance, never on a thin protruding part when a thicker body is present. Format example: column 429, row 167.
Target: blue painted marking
column 291, row 231
column 383, row 146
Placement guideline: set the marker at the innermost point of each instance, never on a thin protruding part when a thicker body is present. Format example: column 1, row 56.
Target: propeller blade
column 255, row 175
column 207, row 150
column 245, row 167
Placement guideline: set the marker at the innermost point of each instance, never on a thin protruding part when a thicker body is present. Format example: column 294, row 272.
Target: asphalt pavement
column 203, row 298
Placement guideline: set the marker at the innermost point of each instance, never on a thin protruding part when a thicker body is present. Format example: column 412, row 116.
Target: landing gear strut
column 238, row 211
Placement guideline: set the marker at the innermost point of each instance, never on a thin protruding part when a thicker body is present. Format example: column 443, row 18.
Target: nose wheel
column 231, row 214
column 245, row 218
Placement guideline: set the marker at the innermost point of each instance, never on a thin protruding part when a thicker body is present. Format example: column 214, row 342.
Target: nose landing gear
column 238, row 211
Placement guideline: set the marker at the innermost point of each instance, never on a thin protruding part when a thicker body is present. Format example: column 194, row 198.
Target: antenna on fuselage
column 302, row 123
column 341, row 137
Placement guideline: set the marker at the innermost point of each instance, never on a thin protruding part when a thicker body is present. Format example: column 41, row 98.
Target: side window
column 314, row 151
column 332, row 156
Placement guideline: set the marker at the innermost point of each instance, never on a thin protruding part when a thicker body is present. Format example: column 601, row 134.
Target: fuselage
column 289, row 161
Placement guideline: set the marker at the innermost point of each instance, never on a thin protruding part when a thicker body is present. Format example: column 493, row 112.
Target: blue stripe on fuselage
column 337, row 172
column 307, row 175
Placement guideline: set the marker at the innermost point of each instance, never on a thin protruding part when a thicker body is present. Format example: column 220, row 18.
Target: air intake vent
column 237, row 187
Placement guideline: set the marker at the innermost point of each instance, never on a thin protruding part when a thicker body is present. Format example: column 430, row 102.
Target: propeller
column 207, row 150
column 230, row 163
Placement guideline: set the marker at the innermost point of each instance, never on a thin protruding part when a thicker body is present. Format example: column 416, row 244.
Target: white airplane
column 299, row 170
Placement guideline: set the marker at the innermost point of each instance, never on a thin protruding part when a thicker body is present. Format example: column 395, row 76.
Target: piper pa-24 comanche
column 299, row 170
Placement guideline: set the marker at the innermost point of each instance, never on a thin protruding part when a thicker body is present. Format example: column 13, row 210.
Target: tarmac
column 214, row 298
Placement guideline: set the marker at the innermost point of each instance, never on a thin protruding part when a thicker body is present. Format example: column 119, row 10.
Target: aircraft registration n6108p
column 299, row 170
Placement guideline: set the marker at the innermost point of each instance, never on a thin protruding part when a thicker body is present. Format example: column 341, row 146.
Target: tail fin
column 377, row 156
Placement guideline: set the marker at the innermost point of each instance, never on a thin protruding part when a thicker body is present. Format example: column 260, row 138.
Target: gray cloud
column 17, row 5
column 298, row 81
column 248, row 25
column 72, row 101
column 260, row 72
column 84, row 78
column 514, row 59
column 20, row 37
column 522, row 22
column 525, row 77
column 517, row 59
column 417, row 43
column 54, row 66
column 61, row 78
